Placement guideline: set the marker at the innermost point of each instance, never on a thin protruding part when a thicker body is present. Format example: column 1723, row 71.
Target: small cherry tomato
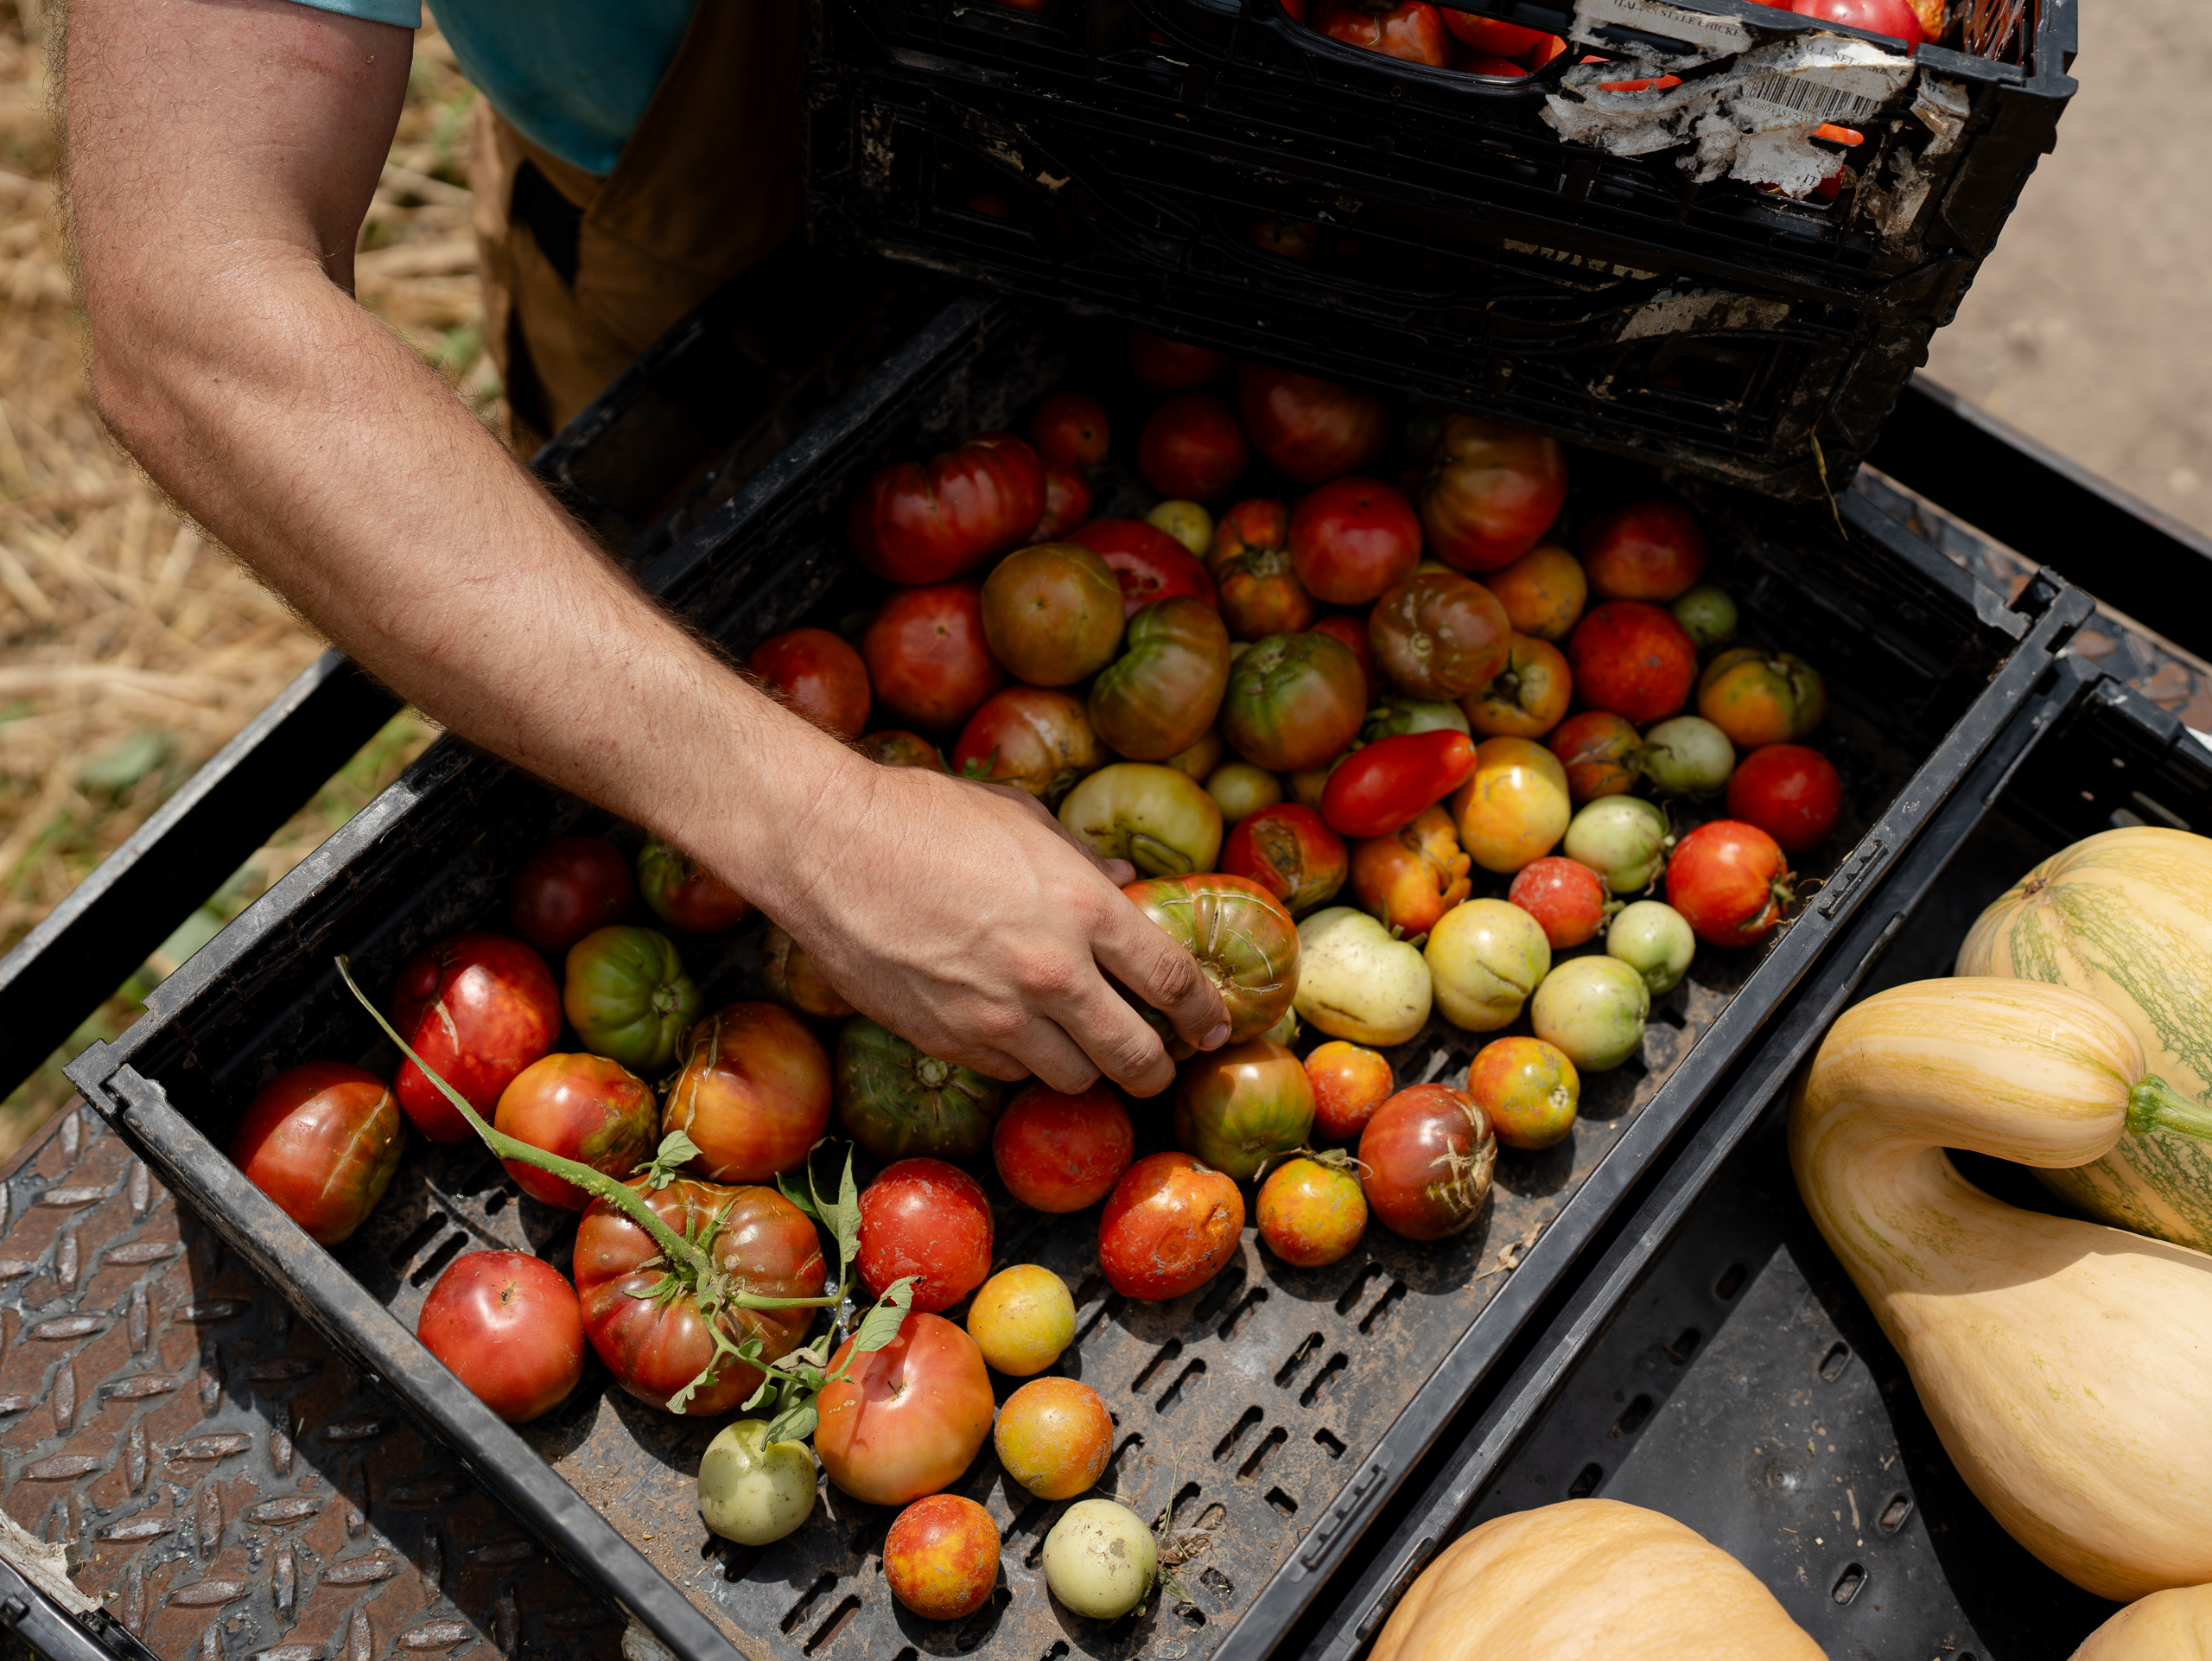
column 567, row 888
column 818, row 675
column 1429, row 1151
column 1191, row 447
column 510, row 1328
column 1791, row 792
column 1567, row 898
column 1351, row 539
column 321, row 1140
column 1543, row 591
column 1633, row 659
column 1290, row 853
column 1067, row 504
column 1060, row 1154
column 1163, row 366
column 941, row 1557
column 1644, row 550
column 1054, row 1436
column 1312, row 1213
column 1260, row 594
column 1410, row 878
column 685, row 895
column 927, row 658
column 1146, row 561
column 1171, row 1224
column 1022, row 1319
column 479, row 1009
column 1071, row 430
column 928, row 1219
column 581, row 1107
column 1385, row 785
column 1187, row 522
column 1731, row 882
column 1240, row 790
column 1598, row 749
column 1350, row 1082
column 1529, row 1088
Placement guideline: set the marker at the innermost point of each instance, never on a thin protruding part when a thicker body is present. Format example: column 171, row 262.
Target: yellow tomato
column 1486, row 958
column 1054, row 1438
column 1187, row 522
column 1514, row 809
column 1022, row 1319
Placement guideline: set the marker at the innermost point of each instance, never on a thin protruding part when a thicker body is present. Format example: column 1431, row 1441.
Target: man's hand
column 222, row 154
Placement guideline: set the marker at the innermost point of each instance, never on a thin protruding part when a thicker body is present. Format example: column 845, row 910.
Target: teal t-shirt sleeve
column 408, row 13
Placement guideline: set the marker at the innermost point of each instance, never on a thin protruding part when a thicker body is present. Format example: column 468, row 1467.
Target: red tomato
column 1350, row 1082
column 1384, row 785
column 1060, row 1153
column 1567, row 898
column 1067, row 504
column 927, row 1218
column 941, row 1557
column 1293, row 701
column 1031, row 737
column 1429, row 1151
column 1069, row 429
column 1491, row 493
column 915, row 523
column 1892, row 17
column 1191, row 449
column 1239, row 935
column 1352, row 539
column 1646, row 551
column 1598, row 750
column 567, row 888
column 1052, row 614
column 1730, row 883
column 818, row 675
column 654, row 1346
column 685, row 895
column 1165, row 365
column 1148, row 563
column 927, row 658
column 753, row 1095
column 1410, row 878
column 510, row 1328
column 893, row 747
column 1310, row 430
column 1288, row 851
column 1260, row 594
column 581, row 1107
column 1501, row 39
column 911, row 1416
column 1632, row 659
column 321, row 1140
column 1351, row 629
column 1440, row 635
column 1409, row 29
column 479, row 1008
column 1241, row 1105
column 1789, row 791
column 1171, row 1224
column 1311, row 1214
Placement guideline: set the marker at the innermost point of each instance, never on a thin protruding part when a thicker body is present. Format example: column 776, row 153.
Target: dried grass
column 130, row 648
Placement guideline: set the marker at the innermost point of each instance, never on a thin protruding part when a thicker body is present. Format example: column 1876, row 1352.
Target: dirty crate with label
column 1717, row 1364
column 1611, row 260
column 1269, row 1415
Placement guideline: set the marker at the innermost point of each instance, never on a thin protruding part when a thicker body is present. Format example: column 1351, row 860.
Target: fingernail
column 1217, row 1038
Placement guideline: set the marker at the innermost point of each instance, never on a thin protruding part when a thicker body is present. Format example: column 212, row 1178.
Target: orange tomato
column 1761, row 697
column 1054, row 1438
column 1528, row 698
column 1529, row 1089
column 941, row 1557
column 1350, row 1082
column 1514, row 809
column 1543, row 591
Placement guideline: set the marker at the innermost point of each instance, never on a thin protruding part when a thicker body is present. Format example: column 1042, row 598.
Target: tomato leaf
column 798, row 1196
column 880, row 1325
column 793, row 1423
column 675, row 1151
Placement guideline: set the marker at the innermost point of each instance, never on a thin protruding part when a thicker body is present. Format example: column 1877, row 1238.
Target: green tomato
column 1240, row 790
column 1593, row 1008
column 1160, row 820
column 1099, row 1559
column 1654, row 940
column 752, row 1491
column 1399, row 713
column 627, row 996
column 899, row 1104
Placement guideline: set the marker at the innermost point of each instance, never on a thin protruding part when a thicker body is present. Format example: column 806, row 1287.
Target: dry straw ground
column 130, row 648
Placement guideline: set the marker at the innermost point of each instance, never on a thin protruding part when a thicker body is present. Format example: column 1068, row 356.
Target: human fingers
column 1119, row 872
column 1147, row 959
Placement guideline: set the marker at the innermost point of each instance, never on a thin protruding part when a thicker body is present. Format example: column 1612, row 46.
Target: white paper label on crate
column 1703, row 36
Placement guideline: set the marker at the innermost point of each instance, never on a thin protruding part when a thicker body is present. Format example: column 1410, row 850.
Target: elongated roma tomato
column 915, row 524
column 321, row 1140
column 479, row 1009
column 1385, row 785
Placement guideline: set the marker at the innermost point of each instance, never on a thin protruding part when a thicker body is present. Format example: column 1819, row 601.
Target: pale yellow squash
column 2174, row 1626
column 2066, row 1365
column 2127, row 917
column 1589, row 1580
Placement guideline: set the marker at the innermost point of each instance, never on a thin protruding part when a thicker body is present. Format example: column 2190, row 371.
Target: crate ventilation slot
column 1633, row 1417
column 1834, row 1363
column 1312, row 1392
column 1227, row 1445
column 1161, row 1358
column 1260, row 1455
column 828, row 1631
column 1348, row 1300
column 822, row 1583
column 1251, row 1301
column 1330, row 1440
column 434, row 1265
column 1375, row 1316
column 1731, row 1282
column 1217, row 1583
column 1185, row 1381
column 1296, row 1360
column 1225, row 1288
column 1282, row 1502
column 1895, row 1513
column 1849, row 1584
column 1684, row 1347
column 1586, row 1482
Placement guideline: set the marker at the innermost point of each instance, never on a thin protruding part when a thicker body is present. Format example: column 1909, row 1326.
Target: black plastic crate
column 1287, row 1406
column 1716, row 1363
column 1461, row 247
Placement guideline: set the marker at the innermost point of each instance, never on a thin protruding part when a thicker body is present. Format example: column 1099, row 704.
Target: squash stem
column 2154, row 1104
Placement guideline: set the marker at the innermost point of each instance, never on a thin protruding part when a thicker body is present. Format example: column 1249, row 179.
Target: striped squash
column 2127, row 917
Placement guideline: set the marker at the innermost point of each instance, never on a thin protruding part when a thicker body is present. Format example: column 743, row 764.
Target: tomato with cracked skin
column 1260, row 594
column 1052, row 614
column 1171, row 1224
column 1543, row 591
column 1293, row 701
column 1057, row 1153
column 1161, row 695
column 1240, row 936
column 1350, row 1082
column 1157, row 818
column 927, row 1219
column 568, row 887
column 1731, row 882
column 753, row 1095
column 1634, row 660
column 1192, row 448
column 941, row 1557
column 510, row 1328
column 1429, row 1152
column 1069, row 429
column 1240, row 1106
column 911, row 523
column 321, row 1140
column 1311, row 430
column 655, row 1346
column 1597, row 749
column 927, row 657
column 685, row 895
column 818, row 675
column 1289, row 850
column 1408, row 29
column 1352, row 539
column 1146, row 561
column 1650, row 551
column 910, row 1418
column 1491, row 493
column 1440, row 635
column 1037, row 739
column 1411, row 877
column 1163, row 366
column 1791, row 792
column 479, row 1009
column 581, row 1107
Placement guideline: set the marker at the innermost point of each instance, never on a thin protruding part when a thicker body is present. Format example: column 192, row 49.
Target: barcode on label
column 1817, row 100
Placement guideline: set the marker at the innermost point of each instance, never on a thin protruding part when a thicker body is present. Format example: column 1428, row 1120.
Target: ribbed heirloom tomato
column 321, row 1140
column 1311, row 430
column 926, row 656
column 925, row 1218
column 581, row 1107
column 479, row 1009
column 1147, row 562
column 1162, row 693
column 1060, row 1154
column 1259, row 593
column 1293, row 701
column 753, row 1095
column 567, row 888
column 1290, row 852
column 1439, row 635
column 1171, row 1224
column 1243, row 941
column 911, row 1416
column 510, row 1328
column 626, row 992
column 898, row 1102
column 915, row 524
column 1242, row 1105
column 819, row 675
